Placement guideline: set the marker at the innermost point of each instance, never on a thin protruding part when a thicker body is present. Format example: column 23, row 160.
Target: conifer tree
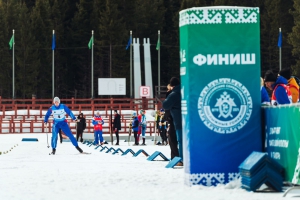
column 27, row 57
column 294, row 37
column 41, row 25
column 5, row 54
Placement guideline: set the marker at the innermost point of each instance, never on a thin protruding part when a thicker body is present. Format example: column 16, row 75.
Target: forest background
column 112, row 21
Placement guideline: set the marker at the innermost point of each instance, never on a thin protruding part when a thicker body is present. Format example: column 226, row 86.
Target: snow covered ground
column 28, row 172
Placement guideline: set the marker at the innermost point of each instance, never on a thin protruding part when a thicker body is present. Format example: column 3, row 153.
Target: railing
column 13, row 119
column 79, row 104
column 27, row 126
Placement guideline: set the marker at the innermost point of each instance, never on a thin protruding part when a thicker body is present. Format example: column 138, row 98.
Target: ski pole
column 130, row 129
column 154, row 133
column 47, row 129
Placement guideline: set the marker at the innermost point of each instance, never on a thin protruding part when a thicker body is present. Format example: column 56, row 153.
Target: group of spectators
column 139, row 126
column 169, row 123
column 284, row 87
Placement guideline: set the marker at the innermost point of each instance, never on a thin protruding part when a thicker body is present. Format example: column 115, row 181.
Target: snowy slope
column 28, row 172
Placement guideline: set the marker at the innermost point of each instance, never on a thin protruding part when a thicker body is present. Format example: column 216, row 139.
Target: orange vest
column 294, row 88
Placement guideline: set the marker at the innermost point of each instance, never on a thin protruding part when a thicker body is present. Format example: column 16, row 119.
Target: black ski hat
column 285, row 73
column 270, row 76
column 174, row 81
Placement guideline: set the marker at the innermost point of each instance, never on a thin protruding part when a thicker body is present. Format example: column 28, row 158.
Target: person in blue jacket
column 135, row 128
column 59, row 112
column 281, row 93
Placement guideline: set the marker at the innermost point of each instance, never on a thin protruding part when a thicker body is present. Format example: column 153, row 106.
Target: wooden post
column 72, row 102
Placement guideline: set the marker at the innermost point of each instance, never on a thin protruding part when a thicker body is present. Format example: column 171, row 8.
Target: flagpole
column 159, row 64
column 92, row 68
column 280, row 50
column 53, row 64
column 13, row 63
column 130, row 64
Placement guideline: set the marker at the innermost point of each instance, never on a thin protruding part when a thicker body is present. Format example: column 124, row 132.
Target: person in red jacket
column 98, row 122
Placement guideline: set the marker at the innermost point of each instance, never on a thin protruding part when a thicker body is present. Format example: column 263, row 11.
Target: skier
column 98, row 122
column 59, row 112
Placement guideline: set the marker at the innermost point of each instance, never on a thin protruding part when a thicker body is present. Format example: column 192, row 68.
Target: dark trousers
column 135, row 135
column 79, row 134
column 117, row 136
column 163, row 134
column 173, row 141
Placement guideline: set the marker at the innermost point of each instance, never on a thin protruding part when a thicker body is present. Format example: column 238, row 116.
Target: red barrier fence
column 79, row 104
column 12, row 120
column 20, row 126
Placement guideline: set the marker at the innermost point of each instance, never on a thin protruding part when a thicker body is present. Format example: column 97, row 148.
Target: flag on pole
column 280, row 39
column 53, row 42
column 91, row 42
column 128, row 44
column 158, row 44
column 11, row 42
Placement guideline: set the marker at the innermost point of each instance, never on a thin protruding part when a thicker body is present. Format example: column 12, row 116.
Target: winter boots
column 117, row 136
column 144, row 141
column 135, row 141
column 53, row 151
column 79, row 149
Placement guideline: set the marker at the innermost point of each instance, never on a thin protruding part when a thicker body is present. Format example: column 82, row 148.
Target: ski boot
column 53, row 152
column 79, row 149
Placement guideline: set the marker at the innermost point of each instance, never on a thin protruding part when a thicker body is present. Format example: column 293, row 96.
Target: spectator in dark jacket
column 117, row 125
column 81, row 125
column 173, row 103
column 171, row 130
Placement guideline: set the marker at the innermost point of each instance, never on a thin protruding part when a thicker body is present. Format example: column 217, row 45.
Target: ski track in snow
column 28, row 172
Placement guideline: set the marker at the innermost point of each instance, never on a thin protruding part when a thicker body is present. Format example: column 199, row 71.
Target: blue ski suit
column 59, row 121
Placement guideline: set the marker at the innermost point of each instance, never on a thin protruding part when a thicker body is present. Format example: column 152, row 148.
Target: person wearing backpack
column 292, row 83
column 281, row 93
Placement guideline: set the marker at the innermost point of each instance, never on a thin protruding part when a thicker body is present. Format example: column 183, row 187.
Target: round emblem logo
column 225, row 105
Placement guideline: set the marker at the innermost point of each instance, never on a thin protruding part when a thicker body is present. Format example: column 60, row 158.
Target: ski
column 79, row 153
column 85, row 153
column 129, row 136
column 130, row 131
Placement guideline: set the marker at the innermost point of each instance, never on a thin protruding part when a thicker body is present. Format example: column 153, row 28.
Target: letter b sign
column 144, row 91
